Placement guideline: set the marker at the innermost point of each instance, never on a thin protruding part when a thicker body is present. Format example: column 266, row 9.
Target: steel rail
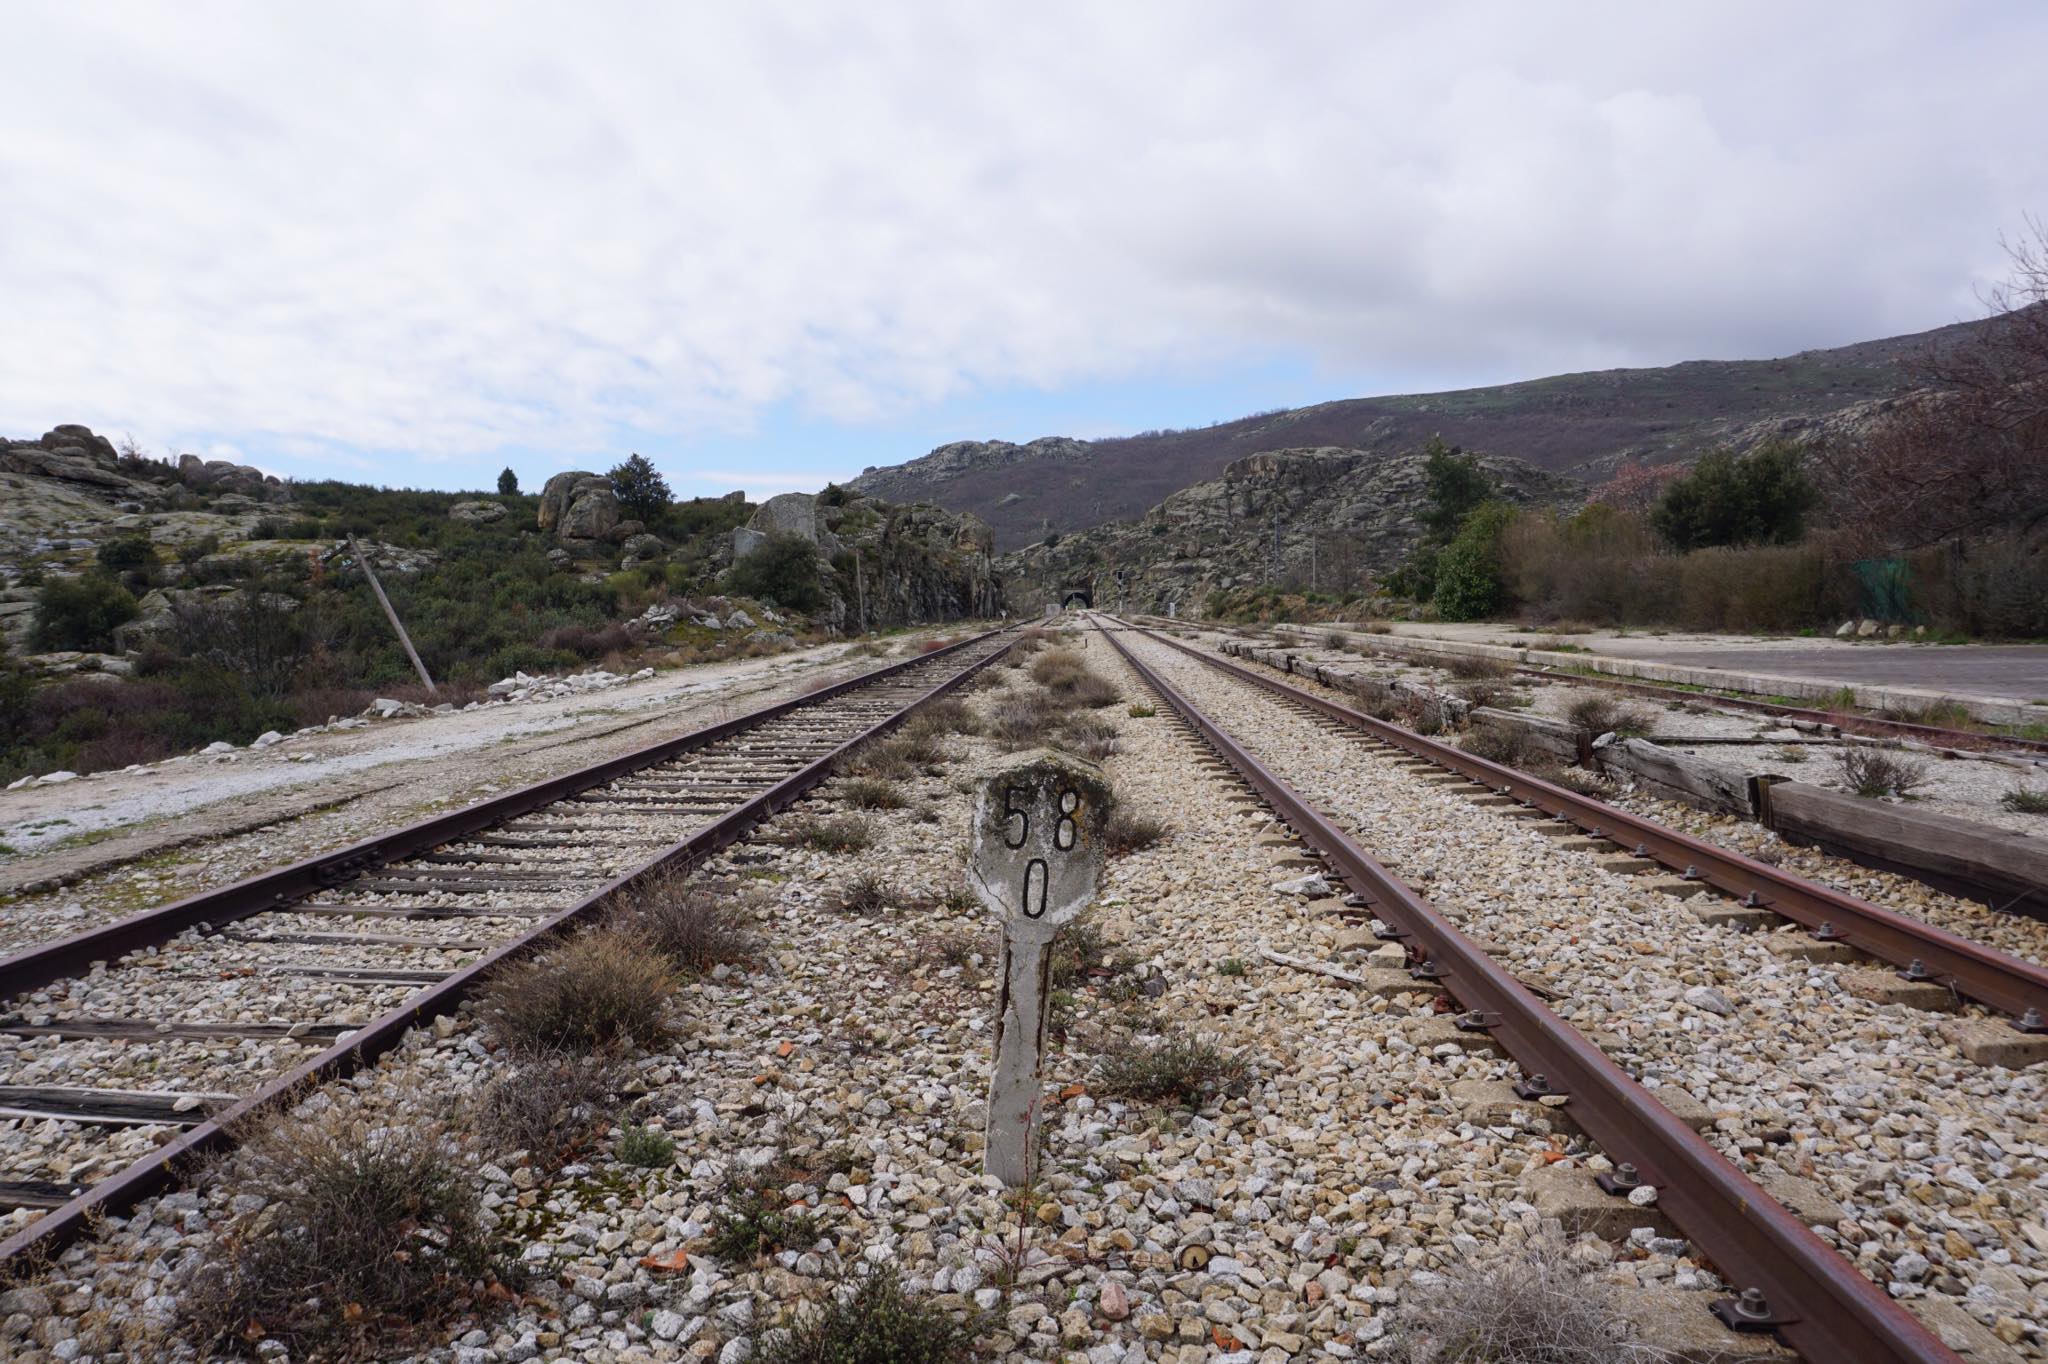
column 1962, row 740
column 39, row 966
column 1874, row 725
column 161, row 1168
column 1997, row 979
column 1816, row 1301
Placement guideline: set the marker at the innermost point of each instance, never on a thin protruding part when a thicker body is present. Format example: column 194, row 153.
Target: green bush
column 783, row 570
column 1469, row 582
column 130, row 551
column 81, row 613
column 1761, row 498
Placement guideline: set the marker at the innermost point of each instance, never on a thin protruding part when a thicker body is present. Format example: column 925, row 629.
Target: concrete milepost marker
column 1036, row 859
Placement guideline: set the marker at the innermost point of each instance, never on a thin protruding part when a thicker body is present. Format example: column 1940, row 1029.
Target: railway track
column 1789, row 1279
column 1876, row 726
column 340, row 955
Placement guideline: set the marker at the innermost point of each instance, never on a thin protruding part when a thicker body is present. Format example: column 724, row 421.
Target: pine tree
column 508, row 483
column 641, row 489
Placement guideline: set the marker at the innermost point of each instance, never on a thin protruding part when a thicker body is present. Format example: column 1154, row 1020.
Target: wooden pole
column 391, row 615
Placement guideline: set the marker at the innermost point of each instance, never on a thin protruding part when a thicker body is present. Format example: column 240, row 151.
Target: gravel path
column 1940, row 1167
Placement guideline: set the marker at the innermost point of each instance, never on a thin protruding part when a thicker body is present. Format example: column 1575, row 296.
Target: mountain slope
column 1581, row 425
column 1326, row 518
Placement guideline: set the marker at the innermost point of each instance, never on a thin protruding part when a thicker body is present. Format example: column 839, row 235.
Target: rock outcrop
column 883, row 565
column 477, row 512
column 583, row 512
column 1326, row 515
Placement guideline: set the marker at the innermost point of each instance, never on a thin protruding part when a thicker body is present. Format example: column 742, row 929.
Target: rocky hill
column 1323, row 517
column 1580, row 425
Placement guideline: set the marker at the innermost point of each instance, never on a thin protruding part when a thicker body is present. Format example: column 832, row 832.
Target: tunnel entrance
column 1077, row 594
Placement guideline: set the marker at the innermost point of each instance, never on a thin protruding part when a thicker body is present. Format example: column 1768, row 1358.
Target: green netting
column 1886, row 590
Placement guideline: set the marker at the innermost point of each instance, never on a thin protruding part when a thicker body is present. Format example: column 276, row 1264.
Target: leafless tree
column 1968, row 453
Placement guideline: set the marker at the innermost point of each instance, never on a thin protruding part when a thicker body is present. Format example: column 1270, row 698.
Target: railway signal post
column 1035, row 862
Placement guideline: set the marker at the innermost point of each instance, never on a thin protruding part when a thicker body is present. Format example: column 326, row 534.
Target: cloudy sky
column 770, row 244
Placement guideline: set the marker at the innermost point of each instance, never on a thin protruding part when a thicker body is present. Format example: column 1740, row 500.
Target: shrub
column 1474, row 667
column 1504, row 744
column 947, row 715
column 1182, row 1070
column 841, row 834
column 265, row 638
column 1535, row 1307
column 1874, row 772
column 1141, row 712
column 866, row 894
column 644, row 1146
column 1479, row 694
column 753, row 1218
column 127, row 552
column 589, row 641
column 1230, row 966
column 1091, row 736
column 1760, row 498
column 1019, row 721
column 1601, row 714
column 1081, row 951
column 601, row 986
column 2024, row 801
column 784, row 569
column 873, row 793
column 549, row 1104
column 1469, row 574
column 695, row 925
column 877, row 1322
column 367, row 1237
column 81, row 613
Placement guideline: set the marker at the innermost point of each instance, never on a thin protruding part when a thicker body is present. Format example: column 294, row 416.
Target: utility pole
column 860, row 592
column 391, row 615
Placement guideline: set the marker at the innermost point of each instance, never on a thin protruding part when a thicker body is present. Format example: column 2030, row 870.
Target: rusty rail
column 165, row 1166
column 1811, row 1297
column 1964, row 740
column 1991, row 977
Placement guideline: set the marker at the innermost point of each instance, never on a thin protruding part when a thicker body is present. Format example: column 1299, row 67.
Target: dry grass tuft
column 1126, row 832
column 1180, row 1070
column 866, row 893
column 873, row 793
column 1874, row 772
column 1019, row 721
column 1600, row 714
column 695, row 924
column 369, row 1239
column 2025, row 801
column 1473, row 668
column 602, row 986
column 1534, row 1308
column 1092, row 736
column 872, row 1320
column 1504, row 744
column 550, row 1105
column 841, row 834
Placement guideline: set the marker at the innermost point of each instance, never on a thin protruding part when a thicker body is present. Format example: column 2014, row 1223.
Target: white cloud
column 449, row 230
